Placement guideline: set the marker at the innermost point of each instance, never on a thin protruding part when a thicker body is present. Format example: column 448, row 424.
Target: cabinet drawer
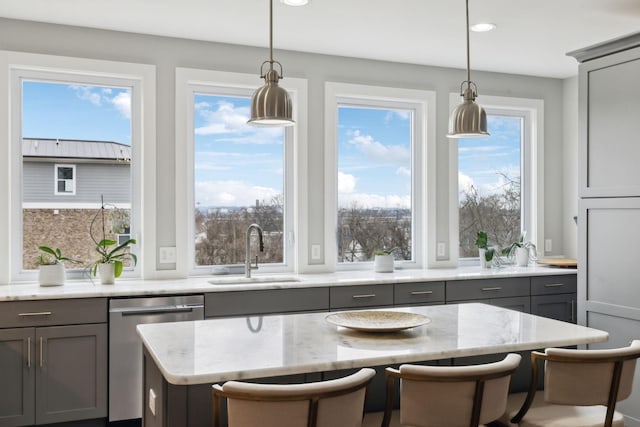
column 267, row 301
column 561, row 284
column 360, row 296
column 53, row 312
column 487, row 288
column 418, row 293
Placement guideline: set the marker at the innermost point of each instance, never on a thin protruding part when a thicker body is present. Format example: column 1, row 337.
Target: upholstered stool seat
column 541, row 414
column 446, row 396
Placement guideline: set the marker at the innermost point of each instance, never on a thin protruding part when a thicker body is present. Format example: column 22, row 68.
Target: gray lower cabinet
column 53, row 373
column 511, row 292
column 360, row 296
column 554, row 297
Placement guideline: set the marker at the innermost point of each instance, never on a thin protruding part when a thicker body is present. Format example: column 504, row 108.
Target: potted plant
column 521, row 249
column 51, row 266
column 383, row 260
column 109, row 264
column 487, row 254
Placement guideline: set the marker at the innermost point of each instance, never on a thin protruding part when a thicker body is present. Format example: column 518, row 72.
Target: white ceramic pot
column 106, row 273
column 51, row 275
column 483, row 262
column 383, row 263
column 522, row 257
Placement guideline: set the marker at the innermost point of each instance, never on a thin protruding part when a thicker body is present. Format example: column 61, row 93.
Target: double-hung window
column 65, row 180
column 376, row 158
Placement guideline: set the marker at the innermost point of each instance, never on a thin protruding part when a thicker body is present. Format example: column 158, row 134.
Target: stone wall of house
column 67, row 229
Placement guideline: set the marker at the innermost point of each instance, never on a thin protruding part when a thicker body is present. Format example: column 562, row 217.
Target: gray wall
column 168, row 53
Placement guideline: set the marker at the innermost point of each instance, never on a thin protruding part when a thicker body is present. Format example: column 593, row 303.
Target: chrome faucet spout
column 247, row 261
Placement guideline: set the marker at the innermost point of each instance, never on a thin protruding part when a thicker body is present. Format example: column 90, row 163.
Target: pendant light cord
column 271, row 33
column 468, row 54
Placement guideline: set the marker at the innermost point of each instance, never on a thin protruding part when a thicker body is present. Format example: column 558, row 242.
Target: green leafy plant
column 520, row 243
column 384, row 251
column 482, row 242
column 109, row 251
column 52, row 256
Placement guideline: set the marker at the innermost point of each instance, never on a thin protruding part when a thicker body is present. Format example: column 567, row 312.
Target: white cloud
column 401, row 114
column 375, row 150
column 231, row 193
column 365, row 200
column 465, row 182
column 346, row 183
column 122, row 102
column 403, row 171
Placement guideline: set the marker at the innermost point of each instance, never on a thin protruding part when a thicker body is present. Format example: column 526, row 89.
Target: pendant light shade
column 468, row 120
column 271, row 104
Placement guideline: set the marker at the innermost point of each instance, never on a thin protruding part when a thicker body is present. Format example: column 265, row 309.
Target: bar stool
column 581, row 388
column 451, row 396
column 330, row 403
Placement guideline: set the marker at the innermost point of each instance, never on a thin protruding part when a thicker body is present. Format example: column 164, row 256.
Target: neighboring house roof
column 75, row 149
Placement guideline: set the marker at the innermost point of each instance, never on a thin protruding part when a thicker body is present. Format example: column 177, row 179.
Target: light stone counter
column 210, row 351
column 200, row 284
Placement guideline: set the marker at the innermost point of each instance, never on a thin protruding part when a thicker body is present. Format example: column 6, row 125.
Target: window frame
column 423, row 170
column 190, row 82
column 56, row 168
column 18, row 66
column 532, row 160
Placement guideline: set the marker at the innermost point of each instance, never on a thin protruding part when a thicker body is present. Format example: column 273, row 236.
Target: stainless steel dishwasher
column 125, row 347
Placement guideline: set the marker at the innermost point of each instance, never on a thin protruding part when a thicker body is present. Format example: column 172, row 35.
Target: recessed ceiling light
column 482, row 27
column 294, row 2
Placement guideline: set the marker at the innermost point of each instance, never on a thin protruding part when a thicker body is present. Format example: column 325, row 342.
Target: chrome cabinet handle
column 421, row 292
column 573, row 310
column 37, row 313
column 495, row 288
column 364, row 296
column 41, row 352
column 28, row 352
column 553, row 285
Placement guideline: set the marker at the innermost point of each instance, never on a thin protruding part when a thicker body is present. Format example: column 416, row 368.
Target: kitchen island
column 182, row 359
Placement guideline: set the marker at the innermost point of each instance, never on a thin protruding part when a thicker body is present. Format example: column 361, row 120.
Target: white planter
column 51, row 275
column 106, row 273
column 383, row 263
column 522, row 257
column 483, row 262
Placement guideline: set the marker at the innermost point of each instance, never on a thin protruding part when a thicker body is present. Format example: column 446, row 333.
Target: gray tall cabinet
column 609, row 191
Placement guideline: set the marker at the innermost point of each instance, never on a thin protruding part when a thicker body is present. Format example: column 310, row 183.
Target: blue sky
column 57, row 110
column 237, row 164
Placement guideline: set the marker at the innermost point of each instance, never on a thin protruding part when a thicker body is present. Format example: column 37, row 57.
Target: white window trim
column 423, row 159
column 141, row 78
column 190, row 81
column 532, row 161
column 56, row 180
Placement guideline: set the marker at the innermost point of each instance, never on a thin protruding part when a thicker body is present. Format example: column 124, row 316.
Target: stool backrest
column 331, row 403
column 451, row 396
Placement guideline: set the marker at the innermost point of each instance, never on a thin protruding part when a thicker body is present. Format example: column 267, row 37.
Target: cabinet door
column 17, row 381
column 559, row 306
column 71, row 379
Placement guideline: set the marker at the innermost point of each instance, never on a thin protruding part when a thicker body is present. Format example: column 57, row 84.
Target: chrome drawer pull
column 365, row 296
column 41, row 356
column 37, row 313
column 28, row 352
column 553, row 285
column 421, row 292
column 496, row 288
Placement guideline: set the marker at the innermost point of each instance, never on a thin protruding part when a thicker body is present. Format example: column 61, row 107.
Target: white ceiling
column 532, row 36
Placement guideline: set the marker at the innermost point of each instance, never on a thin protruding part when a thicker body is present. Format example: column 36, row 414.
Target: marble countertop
column 201, row 284
column 210, row 351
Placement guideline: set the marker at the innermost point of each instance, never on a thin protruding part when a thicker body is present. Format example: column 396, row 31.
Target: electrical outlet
column 441, row 249
column 547, row 245
column 167, row 254
column 315, row 252
column 152, row 401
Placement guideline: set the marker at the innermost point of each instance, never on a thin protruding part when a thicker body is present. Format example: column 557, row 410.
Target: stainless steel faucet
column 247, row 260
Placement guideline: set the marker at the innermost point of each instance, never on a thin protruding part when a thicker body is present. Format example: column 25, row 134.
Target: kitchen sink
column 239, row 280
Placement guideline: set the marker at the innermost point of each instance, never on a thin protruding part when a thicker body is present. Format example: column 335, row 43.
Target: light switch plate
column 167, row 254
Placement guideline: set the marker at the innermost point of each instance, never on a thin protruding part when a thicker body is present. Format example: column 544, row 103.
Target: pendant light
column 271, row 104
column 468, row 120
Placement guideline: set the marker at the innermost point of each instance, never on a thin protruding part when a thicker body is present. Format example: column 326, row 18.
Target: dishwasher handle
column 137, row 311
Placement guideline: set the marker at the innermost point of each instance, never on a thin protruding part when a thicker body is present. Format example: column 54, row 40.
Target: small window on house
column 65, row 180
